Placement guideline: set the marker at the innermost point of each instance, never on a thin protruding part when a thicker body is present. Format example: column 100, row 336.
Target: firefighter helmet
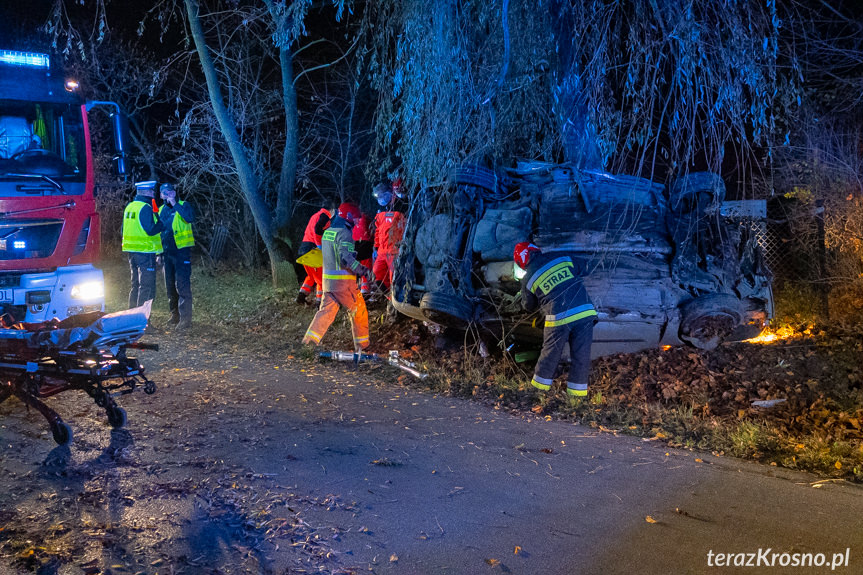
column 523, row 252
column 399, row 188
column 350, row 212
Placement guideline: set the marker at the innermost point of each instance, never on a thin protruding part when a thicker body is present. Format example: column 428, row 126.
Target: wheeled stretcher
column 87, row 352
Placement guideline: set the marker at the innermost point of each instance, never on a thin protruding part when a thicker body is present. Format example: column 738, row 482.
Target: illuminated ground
column 244, row 464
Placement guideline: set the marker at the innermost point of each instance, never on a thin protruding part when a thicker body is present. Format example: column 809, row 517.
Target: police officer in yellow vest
column 141, row 240
column 177, row 217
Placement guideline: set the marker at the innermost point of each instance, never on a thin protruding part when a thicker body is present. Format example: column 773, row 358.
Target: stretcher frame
column 34, row 367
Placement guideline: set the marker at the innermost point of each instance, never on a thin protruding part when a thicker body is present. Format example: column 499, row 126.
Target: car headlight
column 88, row 290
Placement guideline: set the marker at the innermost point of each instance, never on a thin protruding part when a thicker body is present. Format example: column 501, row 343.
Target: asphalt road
column 240, row 464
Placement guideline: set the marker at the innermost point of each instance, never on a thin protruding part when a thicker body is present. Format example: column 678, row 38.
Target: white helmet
column 383, row 194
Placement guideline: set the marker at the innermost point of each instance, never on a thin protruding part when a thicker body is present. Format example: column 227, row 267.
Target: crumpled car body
column 667, row 266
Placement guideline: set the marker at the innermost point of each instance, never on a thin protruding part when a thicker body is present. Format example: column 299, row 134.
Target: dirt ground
column 133, row 500
column 795, row 399
column 253, row 459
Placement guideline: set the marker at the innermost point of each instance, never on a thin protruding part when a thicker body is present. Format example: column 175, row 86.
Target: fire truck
column 49, row 227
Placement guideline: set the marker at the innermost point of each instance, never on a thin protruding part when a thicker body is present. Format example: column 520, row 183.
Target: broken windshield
column 42, row 149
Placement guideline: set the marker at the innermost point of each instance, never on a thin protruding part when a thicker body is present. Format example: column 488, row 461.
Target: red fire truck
column 49, row 228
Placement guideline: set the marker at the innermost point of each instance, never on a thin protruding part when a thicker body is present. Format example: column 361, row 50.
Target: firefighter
column 141, row 240
column 177, row 218
column 553, row 283
column 311, row 240
column 340, row 271
column 364, row 245
column 389, row 229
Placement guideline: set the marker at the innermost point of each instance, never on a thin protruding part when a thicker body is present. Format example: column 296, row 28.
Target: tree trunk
column 288, row 177
column 248, row 181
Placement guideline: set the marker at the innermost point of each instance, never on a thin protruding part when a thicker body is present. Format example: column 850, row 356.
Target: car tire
column 687, row 187
column 707, row 321
column 475, row 175
column 447, row 310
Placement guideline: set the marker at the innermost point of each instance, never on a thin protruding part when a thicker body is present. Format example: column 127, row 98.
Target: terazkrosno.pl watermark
column 770, row 558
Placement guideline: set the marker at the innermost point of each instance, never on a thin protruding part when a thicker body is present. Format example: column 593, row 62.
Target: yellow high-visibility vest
column 135, row 239
column 183, row 236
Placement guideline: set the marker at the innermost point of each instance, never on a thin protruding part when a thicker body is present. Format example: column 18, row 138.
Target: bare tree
column 278, row 26
column 649, row 87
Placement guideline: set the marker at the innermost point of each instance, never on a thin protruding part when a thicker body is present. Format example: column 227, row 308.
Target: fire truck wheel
column 116, row 417
column 62, row 433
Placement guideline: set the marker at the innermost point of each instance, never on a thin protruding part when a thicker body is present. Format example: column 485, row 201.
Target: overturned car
column 667, row 266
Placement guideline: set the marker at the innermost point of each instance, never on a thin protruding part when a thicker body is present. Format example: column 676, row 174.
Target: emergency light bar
column 28, row 59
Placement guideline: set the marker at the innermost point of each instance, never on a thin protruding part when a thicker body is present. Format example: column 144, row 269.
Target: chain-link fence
column 793, row 245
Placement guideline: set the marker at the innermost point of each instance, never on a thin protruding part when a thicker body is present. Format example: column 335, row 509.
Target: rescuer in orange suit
column 311, row 240
column 389, row 230
column 364, row 245
column 341, row 269
column 553, row 283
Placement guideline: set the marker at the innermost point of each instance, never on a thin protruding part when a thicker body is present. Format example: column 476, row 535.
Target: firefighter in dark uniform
column 177, row 217
column 553, row 282
column 141, row 240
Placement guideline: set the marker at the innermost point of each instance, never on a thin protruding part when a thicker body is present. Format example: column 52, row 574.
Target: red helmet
column 350, row 212
column 398, row 188
column 523, row 252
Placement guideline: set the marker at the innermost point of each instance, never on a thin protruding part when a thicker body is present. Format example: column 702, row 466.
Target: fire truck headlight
column 88, row 290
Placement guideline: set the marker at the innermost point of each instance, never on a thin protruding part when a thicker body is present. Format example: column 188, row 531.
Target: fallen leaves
column 650, row 519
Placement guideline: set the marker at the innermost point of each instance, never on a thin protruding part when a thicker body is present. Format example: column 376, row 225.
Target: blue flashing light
column 28, row 59
column 19, row 245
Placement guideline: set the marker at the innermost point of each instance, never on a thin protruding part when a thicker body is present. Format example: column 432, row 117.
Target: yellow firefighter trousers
column 341, row 292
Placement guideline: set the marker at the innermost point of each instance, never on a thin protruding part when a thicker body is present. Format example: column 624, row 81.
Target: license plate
column 6, row 295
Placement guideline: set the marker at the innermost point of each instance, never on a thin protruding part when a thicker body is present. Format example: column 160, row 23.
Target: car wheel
column 708, row 320
column 478, row 176
column 684, row 192
column 447, row 310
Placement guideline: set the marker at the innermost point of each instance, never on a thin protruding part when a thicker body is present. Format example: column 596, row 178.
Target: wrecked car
column 667, row 266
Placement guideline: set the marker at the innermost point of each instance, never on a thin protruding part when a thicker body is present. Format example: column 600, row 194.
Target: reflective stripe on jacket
column 183, row 236
column 340, row 259
column 553, row 283
column 135, row 239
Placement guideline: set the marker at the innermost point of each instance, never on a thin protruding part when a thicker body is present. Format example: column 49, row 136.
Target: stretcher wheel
column 62, row 433
column 116, row 417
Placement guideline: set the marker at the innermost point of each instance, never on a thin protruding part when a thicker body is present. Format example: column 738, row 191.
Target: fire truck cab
column 49, row 228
